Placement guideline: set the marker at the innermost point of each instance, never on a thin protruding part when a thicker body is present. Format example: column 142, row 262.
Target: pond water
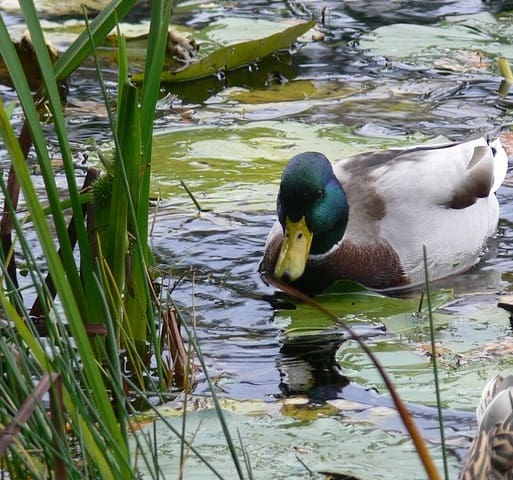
column 386, row 74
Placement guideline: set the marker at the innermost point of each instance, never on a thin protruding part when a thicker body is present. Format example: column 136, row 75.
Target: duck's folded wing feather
column 418, row 191
column 476, row 181
column 453, row 176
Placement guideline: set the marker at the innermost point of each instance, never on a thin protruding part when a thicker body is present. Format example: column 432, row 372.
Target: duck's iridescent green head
column 313, row 211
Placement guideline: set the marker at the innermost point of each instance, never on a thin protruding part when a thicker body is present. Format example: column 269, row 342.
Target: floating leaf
column 427, row 44
column 237, row 55
column 351, row 301
column 277, row 432
column 294, row 90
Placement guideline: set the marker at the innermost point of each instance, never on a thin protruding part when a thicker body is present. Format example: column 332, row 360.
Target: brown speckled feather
column 491, row 455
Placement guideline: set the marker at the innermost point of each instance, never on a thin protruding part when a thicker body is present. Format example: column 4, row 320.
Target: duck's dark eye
column 319, row 194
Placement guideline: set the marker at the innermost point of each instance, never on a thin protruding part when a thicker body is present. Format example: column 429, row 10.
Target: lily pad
column 294, row 90
column 428, row 44
column 352, row 302
column 463, row 368
column 237, row 168
column 281, row 437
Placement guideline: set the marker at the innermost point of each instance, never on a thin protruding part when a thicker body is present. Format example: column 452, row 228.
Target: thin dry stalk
column 59, row 424
column 171, row 331
column 37, row 309
column 25, row 411
column 13, row 189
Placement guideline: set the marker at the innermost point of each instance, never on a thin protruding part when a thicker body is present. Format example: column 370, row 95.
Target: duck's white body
column 420, row 189
column 440, row 197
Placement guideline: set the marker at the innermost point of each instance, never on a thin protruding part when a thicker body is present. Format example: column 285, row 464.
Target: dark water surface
column 235, row 324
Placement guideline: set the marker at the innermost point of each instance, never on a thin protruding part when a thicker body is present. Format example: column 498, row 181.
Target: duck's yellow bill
column 294, row 252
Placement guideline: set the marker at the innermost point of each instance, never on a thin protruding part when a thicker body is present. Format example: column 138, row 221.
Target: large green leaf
column 237, row 55
column 352, row 302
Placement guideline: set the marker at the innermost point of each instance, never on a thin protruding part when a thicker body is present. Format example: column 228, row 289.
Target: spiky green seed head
column 101, row 191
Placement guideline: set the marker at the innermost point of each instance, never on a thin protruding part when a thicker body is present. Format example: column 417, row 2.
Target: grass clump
column 66, row 400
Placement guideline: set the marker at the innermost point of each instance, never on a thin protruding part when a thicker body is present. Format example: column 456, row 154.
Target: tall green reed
column 104, row 283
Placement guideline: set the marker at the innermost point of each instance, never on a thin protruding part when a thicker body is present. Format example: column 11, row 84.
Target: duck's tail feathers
column 500, row 161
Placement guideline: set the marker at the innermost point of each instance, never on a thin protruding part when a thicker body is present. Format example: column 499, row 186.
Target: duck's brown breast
column 375, row 266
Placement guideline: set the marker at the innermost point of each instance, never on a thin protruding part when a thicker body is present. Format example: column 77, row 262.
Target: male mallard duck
column 367, row 217
column 491, row 453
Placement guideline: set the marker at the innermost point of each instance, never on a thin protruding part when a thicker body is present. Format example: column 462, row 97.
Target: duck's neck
column 322, row 243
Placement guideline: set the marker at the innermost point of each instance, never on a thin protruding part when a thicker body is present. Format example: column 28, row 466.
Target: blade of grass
column 11, row 60
column 435, row 365
column 192, row 197
column 12, row 193
column 224, row 426
column 137, row 300
column 100, row 27
column 25, row 411
column 93, row 417
column 67, row 281
column 85, row 277
column 245, row 455
column 121, row 202
column 156, row 50
column 97, row 452
column 123, row 217
column 155, row 54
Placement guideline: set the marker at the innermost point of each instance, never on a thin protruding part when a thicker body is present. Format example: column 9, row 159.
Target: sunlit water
column 230, row 151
